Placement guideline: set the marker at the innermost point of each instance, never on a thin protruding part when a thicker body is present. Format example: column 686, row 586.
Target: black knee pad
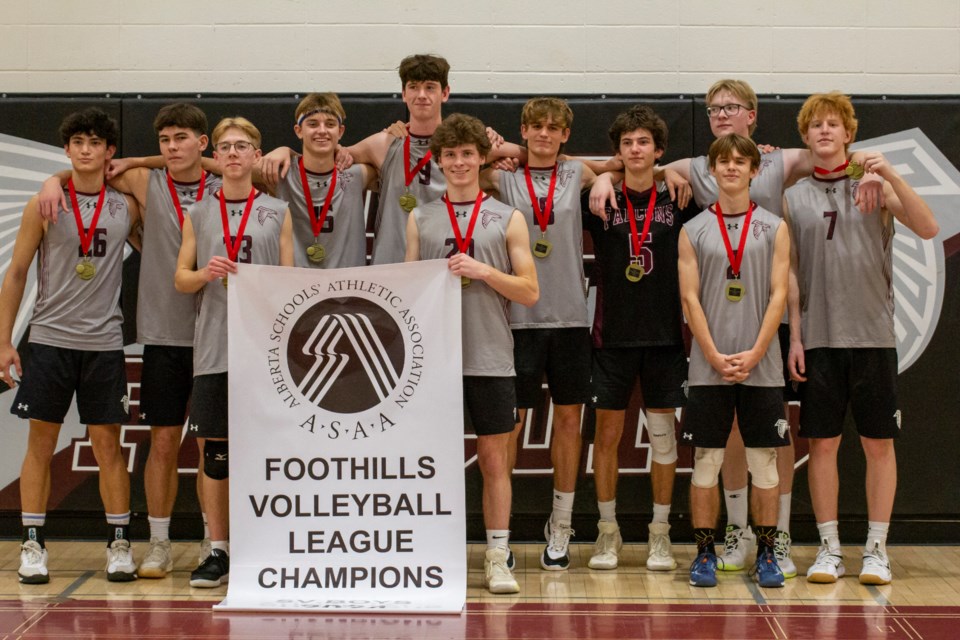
column 216, row 460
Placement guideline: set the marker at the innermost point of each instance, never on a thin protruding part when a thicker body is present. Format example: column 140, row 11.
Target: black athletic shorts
column 53, row 374
column 791, row 392
column 709, row 416
column 165, row 383
column 662, row 372
column 208, row 408
column 489, row 404
column 865, row 379
column 563, row 355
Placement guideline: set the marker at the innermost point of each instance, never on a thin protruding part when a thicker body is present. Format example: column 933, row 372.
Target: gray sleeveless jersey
column 261, row 245
column 164, row 315
column 487, row 341
column 563, row 300
column 845, row 266
column 82, row 314
column 766, row 189
column 343, row 235
column 734, row 326
column 390, row 232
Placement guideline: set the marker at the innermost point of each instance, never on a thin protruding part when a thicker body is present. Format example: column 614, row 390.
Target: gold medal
column 735, row 290
column 223, row 281
column 635, row 271
column 854, row 170
column 542, row 247
column 408, row 201
column 86, row 270
column 465, row 282
column 316, row 253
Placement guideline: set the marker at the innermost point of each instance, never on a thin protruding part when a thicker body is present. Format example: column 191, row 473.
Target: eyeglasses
column 731, row 109
column 242, row 146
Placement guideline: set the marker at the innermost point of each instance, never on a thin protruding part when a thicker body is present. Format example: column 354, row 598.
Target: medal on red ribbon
column 463, row 241
column 635, row 270
column 542, row 247
column 315, row 252
column 176, row 197
column 734, row 289
column 86, row 270
column 407, row 200
column 233, row 245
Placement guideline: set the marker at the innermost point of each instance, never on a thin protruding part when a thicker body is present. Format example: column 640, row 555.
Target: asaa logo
column 345, row 354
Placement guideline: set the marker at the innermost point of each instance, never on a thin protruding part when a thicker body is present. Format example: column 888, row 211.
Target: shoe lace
column 119, row 550
column 781, row 547
column 499, row 569
column 659, row 545
column 875, row 557
column 605, row 543
column 732, row 540
column 32, row 553
column 560, row 535
column 825, row 556
column 157, row 553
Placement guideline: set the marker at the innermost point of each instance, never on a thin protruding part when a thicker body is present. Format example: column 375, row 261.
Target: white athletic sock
column 737, row 507
column 33, row 519
column 562, row 507
column 877, row 534
column 783, row 515
column 118, row 518
column 829, row 535
column 608, row 511
column 661, row 513
column 206, row 525
column 159, row 528
column 223, row 545
column 498, row 539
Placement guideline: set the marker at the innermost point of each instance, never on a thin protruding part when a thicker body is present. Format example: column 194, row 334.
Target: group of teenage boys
column 754, row 253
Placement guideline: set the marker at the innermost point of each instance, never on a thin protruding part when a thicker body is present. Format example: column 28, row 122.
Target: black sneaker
column 213, row 571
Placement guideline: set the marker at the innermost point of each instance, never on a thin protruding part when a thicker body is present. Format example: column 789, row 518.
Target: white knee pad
column 706, row 467
column 663, row 437
column 762, row 463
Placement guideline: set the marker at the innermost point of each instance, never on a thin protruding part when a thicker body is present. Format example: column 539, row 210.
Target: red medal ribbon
column 820, row 171
column 233, row 248
column 542, row 217
column 409, row 173
column 316, row 221
column 735, row 259
column 86, row 236
column 176, row 198
column 635, row 239
column 463, row 242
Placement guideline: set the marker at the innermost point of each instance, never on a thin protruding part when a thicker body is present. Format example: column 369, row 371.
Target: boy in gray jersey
column 487, row 246
column 734, row 262
column 165, row 317
column 76, row 339
column 237, row 224
column 552, row 338
column 842, row 341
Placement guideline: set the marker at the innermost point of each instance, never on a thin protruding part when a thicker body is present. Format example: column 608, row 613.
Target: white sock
column 877, row 535
column 608, row 511
column 737, row 507
column 562, row 507
column 33, row 519
column 830, row 535
column 498, row 539
column 223, row 545
column 206, row 525
column 661, row 513
column 118, row 518
column 783, row 515
column 159, row 528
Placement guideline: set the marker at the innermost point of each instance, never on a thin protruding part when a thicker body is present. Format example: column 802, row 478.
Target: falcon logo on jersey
column 345, row 354
column 759, row 227
column 263, row 213
column 115, row 207
column 782, row 427
column 486, row 217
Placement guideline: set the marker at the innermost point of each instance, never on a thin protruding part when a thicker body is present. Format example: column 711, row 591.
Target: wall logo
column 345, row 354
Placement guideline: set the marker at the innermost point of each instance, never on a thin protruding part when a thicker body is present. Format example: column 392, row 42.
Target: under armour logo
column 23, row 407
column 220, row 457
column 687, row 436
column 830, row 190
column 593, row 399
column 194, row 427
column 782, row 427
column 733, row 225
column 143, row 416
column 461, row 214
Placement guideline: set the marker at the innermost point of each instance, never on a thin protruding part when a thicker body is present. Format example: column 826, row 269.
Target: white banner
column 346, row 439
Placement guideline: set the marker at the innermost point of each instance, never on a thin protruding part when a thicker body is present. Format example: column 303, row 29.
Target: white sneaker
column 555, row 556
column 607, row 548
column 876, row 567
column 33, row 563
column 205, row 548
column 781, row 549
column 497, row 576
column 158, row 562
column 737, row 544
column 659, row 552
column 121, row 566
column 827, row 568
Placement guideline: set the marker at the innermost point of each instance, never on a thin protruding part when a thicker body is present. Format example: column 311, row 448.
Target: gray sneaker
column 158, row 562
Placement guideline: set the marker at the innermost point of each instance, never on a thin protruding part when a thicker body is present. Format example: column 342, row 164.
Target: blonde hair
column 742, row 90
column 320, row 103
column 237, row 122
column 538, row 110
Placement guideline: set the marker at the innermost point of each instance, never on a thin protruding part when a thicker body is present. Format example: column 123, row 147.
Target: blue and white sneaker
column 556, row 556
column 703, row 571
column 767, row 570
